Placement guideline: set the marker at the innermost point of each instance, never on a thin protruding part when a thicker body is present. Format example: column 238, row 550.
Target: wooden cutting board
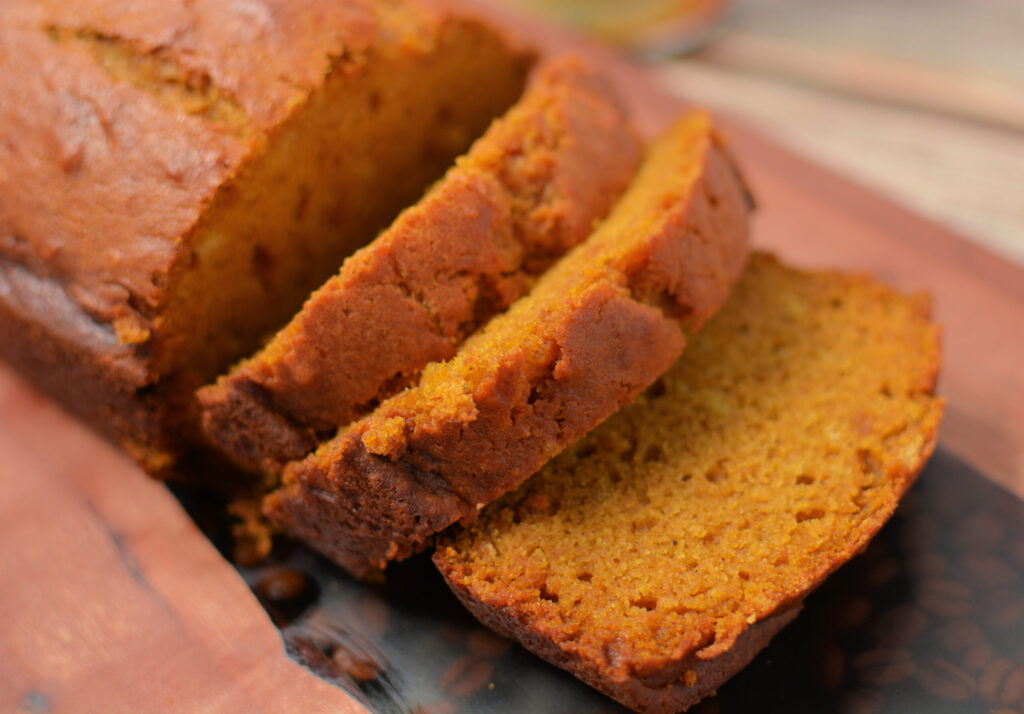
column 112, row 600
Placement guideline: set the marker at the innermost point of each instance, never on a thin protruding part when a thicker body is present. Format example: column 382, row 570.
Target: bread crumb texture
column 598, row 327
column 764, row 459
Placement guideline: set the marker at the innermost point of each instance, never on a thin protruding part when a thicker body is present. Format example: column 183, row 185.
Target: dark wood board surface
column 112, row 600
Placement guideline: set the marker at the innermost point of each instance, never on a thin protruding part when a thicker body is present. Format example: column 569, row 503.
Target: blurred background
column 922, row 100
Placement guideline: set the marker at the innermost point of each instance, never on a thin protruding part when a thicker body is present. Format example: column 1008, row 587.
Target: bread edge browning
column 710, row 673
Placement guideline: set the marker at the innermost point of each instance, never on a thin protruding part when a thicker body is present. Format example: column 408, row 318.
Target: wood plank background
column 111, row 600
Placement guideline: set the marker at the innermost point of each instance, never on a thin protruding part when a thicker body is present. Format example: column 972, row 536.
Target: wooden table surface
column 922, row 100
column 111, row 600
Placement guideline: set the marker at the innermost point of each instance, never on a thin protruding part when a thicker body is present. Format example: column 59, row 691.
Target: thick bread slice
column 175, row 178
column 531, row 188
column 655, row 557
column 598, row 327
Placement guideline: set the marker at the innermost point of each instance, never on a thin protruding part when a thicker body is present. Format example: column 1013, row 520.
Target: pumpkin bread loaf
column 597, row 328
column 176, row 177
column 532, row 187
column 655, row 557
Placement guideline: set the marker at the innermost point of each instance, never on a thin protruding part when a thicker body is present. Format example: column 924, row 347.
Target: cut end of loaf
column 764, row 459
column 359, row 149
column 186, row 191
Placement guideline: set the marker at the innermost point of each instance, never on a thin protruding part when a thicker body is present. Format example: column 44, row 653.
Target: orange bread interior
column 645, row 557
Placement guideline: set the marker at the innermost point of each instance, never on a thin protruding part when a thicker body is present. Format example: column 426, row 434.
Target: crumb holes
column 374, row 101
column 836, row 302
column 546, row 594
column 614, row 476
column 654, row 453
column 656, row 390
column 716, row 473
column 869, row 465
column 159, row 280
column 809, row 514
column 629, row 452
column 646, row 602
column 804, row 479
column 885, row 391
column 709, row 538
column 585, row 576
column 744, row 575
column 586, row 451
column 262, row 263
column 534, row 396
column 541, row 503
column 643, row 525
column 489, row 578
column 685, row 477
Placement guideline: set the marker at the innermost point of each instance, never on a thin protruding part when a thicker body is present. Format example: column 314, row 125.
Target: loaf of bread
column 175, row 178
column 528, row 190
column 598, row 327
column 655, row 557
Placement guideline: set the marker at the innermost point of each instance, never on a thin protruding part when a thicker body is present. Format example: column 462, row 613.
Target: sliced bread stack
column 596, row 329
column 530, row 188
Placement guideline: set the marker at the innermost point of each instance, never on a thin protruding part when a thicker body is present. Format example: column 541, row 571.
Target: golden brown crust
column 537, row 377
column 112, row 177
column 767, row 457
column 129, row 124
column 531, row 188
column 674, row 695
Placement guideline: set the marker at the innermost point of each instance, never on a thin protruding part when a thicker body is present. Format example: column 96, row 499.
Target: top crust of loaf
column 597, row 328
column 131, row 173
column 528, row 190
column 641, row 558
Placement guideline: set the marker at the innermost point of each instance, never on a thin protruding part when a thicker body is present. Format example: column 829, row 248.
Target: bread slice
column 531, row 188
column 175, row 179
column 655, row 557
column 598, row 327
